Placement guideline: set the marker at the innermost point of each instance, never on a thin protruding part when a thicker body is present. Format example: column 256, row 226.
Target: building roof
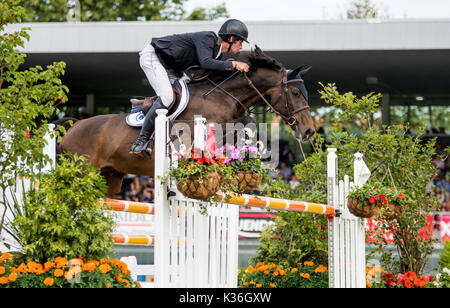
column 405, row 57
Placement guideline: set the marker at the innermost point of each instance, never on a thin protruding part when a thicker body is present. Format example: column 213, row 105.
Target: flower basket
column 245, row 167
column 198, row 174
column 202, row 187
column 376, row 200
column 362, row 209
column 246, row 181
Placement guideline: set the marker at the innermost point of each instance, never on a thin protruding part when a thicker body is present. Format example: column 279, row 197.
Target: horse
column 106, row 139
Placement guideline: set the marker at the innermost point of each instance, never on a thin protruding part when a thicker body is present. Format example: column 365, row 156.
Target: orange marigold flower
column 48, row 266
column 272, row 285
column 2, row 270
column 12, row 276
column 320, row 269
column 259, row 264
column 22, row 268
column 126, row 282
column 276, row 273
column 305, row 275
column 308, row 263
column 3, row 280
column 119, row 278
column 245, row 284
column 58, row 272
column 61, row 262
column 138, row 284
column 104, row 268
column 89, row 267
column 107, row 286
column 6, row 256
column 282, row 273
column 48, row 281
column 259, row 285
column 293, row 270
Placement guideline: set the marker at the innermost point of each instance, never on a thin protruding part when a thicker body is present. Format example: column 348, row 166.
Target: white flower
column 446, row 270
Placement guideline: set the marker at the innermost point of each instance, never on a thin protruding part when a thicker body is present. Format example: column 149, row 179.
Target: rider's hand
column 241, row 66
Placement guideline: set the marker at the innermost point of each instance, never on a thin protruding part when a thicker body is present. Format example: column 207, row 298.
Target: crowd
column 137, row 188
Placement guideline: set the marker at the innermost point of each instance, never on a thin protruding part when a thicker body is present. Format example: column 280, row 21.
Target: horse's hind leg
column 113, row 181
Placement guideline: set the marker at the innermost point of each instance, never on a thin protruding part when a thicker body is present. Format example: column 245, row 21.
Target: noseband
column 290, row 119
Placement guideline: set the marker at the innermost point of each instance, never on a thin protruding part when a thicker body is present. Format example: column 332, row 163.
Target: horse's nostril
column 308, row 133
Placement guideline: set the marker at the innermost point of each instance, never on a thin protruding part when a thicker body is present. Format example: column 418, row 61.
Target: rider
column 165, row 57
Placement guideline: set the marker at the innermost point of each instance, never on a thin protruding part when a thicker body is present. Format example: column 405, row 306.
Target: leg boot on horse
column 141, row 145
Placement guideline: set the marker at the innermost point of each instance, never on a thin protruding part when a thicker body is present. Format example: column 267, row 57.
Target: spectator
column 284, row 155
column 147, row 195
column 133, row 194
column 285, row 171
column 291, row 162
column 293, row 182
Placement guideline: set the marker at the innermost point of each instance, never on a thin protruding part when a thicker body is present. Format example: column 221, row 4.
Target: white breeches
column 159, row 78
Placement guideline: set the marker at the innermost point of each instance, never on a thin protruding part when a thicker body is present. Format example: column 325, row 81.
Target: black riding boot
column 141, row 143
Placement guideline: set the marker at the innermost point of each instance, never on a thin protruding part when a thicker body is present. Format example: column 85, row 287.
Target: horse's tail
column 67, row 124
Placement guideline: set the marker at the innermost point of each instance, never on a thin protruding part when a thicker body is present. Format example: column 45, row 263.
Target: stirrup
column 145, row 149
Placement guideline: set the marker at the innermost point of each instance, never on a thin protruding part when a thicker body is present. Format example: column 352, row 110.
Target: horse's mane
column 256, row 58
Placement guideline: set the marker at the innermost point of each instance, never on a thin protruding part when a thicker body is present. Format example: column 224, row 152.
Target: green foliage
column 63, row 218
column 27, row 98
column 302, row 275
column 444, row 257
column 117, row 10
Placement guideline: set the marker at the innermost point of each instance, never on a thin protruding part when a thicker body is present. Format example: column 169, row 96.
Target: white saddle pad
column 136, row 119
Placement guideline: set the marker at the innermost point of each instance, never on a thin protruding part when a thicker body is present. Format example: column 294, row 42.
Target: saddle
column 141, row 105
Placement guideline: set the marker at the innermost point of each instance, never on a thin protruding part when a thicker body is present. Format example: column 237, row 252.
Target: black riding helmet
column 233, row 27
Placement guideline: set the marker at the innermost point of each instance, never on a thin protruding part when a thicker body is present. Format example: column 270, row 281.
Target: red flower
column 377, row 197
column 371, row 200
column 27, row 134
column 384, row 201
column 400, row 195
column 200, row 161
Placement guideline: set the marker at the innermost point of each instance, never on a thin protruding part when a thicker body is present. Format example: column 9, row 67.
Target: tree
column 363, row 9
column 209, row 14
column 116, row 10
column 27, row 98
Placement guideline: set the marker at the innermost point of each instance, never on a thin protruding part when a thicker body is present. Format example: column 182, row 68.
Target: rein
column 290, row 119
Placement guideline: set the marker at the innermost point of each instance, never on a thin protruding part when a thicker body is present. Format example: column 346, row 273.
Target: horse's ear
column 258, row 50
column 292, row 74
column 304, row 71
column 298, row 72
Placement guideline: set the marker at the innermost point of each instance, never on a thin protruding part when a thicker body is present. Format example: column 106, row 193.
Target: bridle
column 290, row 119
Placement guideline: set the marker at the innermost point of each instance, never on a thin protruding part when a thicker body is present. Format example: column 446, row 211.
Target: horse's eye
column 296, row 93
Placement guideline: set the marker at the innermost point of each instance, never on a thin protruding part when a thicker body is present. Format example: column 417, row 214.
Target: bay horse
column 106, row 139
